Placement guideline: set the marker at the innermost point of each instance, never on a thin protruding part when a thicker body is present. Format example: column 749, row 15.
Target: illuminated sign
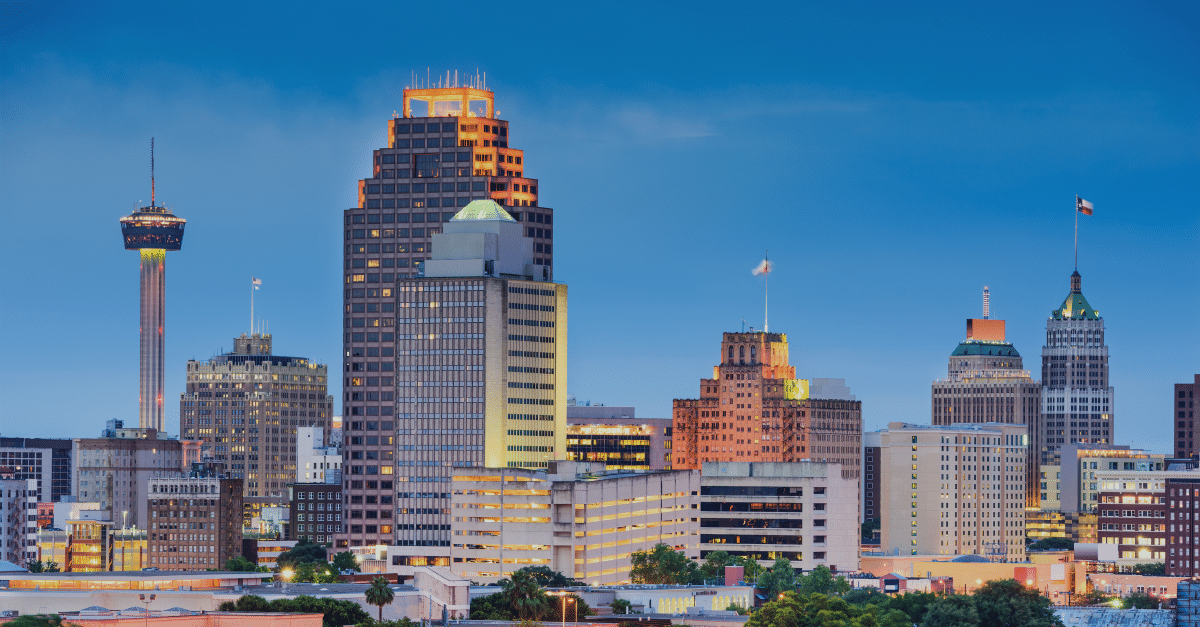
column 795, row 389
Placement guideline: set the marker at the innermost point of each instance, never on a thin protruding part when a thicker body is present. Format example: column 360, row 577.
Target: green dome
column 484, row 209
column 1075, row 307
column 976, row 347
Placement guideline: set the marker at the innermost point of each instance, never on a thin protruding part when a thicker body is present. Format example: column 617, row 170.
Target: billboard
column 795, row 389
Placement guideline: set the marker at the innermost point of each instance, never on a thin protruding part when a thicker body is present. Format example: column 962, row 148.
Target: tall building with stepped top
column 754, row 409
column 1077, row 396
column 986, row 382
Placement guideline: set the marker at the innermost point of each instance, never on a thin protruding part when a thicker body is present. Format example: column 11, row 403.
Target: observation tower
column 152, row 231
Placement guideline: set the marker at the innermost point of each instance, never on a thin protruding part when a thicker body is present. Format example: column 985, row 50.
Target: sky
column 894, row 158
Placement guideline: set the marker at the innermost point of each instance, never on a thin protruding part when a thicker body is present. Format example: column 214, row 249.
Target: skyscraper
column 986, row 382
column 1183, row 405
column 152, row 231
column 469, row 364
column 1077, row 398
column 755, row 410
column 246, row 406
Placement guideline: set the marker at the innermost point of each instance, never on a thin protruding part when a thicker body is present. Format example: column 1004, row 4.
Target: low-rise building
column 805, row 512
column 575, row 518
column 615, row 436
column 195, row 521
column 316, row 512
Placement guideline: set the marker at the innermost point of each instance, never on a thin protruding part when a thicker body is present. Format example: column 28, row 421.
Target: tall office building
column 41, row 457
column 1183, row 403
column 463, row 367
column 152, row 231
column 953, row 490
column 1077, row 398
column 114, row 469
column 986, row 382
column 246, row 406
column 755, row 410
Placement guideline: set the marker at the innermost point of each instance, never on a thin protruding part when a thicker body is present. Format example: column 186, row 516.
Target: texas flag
column 257, row 282
column 763, row 268
column 1083, row 206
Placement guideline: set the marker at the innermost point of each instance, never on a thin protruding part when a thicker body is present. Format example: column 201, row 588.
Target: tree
column 239, row 564
column 621, row 606
column 524, row 596
column 314, row 572
column 1008, row 603
column 1093, row 597
column 780, row 578
column 491, row 607
column 736, row 607
column 38, row 620
column 52, row 566
column 1140, row 601
column 868, row 530
column 303, row 552
column 380, row 594
column 821, row 580
column 818, row 610
column 952, row 611
column 1052, row 544
column 714, row 566
column 913, row 604
column 662, row 565
column 1156, row 568
column 336, row 612
column 345, row 561
column 547, row 578
column 576, row 607
column 866, row 596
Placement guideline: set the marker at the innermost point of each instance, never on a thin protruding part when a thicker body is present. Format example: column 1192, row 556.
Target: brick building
column 195, row 521
column 316, row 512
column 1183, row 403
column 755, row 410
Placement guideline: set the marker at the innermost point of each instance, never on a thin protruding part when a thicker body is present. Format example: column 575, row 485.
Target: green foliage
column 304, row 552
column 38, row 620
column 866, row 596
column 913, row 604
column 780, row 578
column 952, row 611
column 735, row 607
column 1155, row 568
column 380, row 594
column 239, row 564
column 524, row 596
column 868, row 529
column 547, row 578
column 491, row 607
column 822, row 581
column 345, row 561
column 621, row 606
column 1006, row 602
column 662, row 565
column 337, row 613
column 1092, row 597
column 1052, row 544
column 576, row 608
column 713, row 568
column 314, row 572
column 818, row 610
column 1139, row 600
column 403, row 622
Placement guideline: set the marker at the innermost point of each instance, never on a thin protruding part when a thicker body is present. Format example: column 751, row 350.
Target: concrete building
column 1183, row 402
column 615, row 436
column 986, row 382
column 872, row 477
column 954, row 489
column 152, row 231
column 1077, row 396
column 46, row 459
column 115, row 469
column 316, row 512
column 480, row 352
column 575, row 518
column 246, row 407
column 195, row 521
column 316, row 462
column 1083, row 468
column 804, row 512
column 18, row 519
column 755, row 410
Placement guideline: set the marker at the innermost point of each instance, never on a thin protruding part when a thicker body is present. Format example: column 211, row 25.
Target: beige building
column 246, row 407
column 806, row 512
column 1074, row 484
column 115, row 470
column 954, row 490
column 575, row 518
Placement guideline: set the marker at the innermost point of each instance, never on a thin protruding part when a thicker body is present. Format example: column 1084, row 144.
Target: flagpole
column 1076, row 232
column 766, row 293
column 251, row 306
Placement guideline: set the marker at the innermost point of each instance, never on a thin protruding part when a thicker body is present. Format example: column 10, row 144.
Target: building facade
column 316, row 462
column 1183, row 402
column 986, row 382
column 872, row 477
column 316, row 512
column 804, row 512
column 18, row 520
column 479, row 350
column 1183, row 527
column 195, row 521
column 54, row 457
column 246, row 406
column 115, row 470
column 615, row 436
column 1077, row 396
column 1133, row 516
column 755, row 410
column 954, row 489
column 575, row 518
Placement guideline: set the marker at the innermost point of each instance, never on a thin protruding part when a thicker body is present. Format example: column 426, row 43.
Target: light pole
column 147, row 602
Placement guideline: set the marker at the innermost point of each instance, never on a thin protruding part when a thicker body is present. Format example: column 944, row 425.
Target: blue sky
column 894, row 158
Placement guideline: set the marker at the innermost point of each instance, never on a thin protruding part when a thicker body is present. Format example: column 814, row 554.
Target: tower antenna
column 987, row 303
column 1077, row 232
column 152, row 173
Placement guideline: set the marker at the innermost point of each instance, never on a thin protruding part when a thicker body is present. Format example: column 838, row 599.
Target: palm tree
column 524, row 595
column 378, row 593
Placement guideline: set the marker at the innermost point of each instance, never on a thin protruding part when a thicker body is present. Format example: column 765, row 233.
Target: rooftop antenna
column 764, row 268
column 152, row 174
column 987, row 303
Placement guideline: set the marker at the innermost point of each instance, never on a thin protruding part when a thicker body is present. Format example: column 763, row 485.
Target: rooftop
column 484, row 209
column 982, row 347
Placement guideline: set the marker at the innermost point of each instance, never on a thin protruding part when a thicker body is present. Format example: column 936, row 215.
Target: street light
column 147, row 602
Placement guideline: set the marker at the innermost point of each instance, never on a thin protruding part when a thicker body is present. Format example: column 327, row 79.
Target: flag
column 255, row 282
column 1083, row 206
column 764, row 267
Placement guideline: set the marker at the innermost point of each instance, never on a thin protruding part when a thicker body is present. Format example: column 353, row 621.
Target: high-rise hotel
column 1077, row 399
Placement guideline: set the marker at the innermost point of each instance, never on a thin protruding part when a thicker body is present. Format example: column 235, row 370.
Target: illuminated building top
column 152, row 227
column 1075, row 307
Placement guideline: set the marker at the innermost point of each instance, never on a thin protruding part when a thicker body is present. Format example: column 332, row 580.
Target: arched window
column 753, row 354
column 742, row 354
column 731, row 354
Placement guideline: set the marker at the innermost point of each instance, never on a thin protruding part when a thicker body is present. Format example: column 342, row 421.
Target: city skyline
column 894, row 196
